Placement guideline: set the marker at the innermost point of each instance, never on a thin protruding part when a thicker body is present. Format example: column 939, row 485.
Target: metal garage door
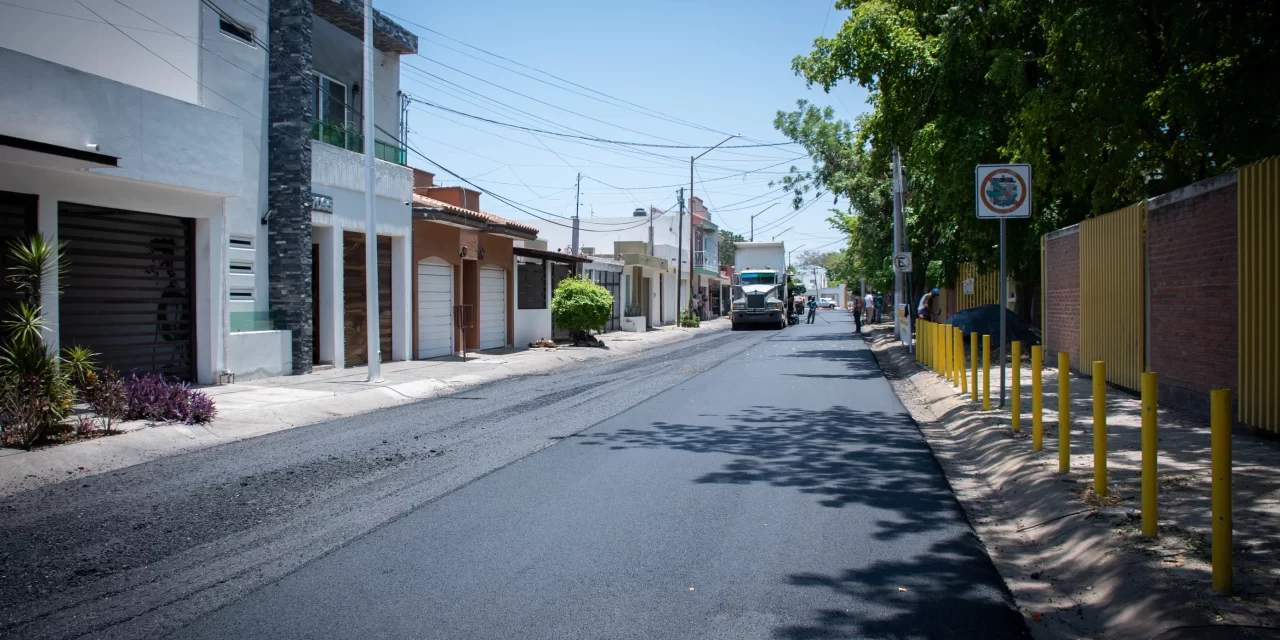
column 493, row 307
column 435, row 308
column 127, row 294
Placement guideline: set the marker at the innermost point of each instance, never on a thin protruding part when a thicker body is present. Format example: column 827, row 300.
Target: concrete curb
column 268, row 408
column 1068, row 572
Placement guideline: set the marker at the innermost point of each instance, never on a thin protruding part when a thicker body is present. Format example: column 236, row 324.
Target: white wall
column 234, row 75
column 260, row 354
column 157, row 139
column 531, row 324
column 69, row 33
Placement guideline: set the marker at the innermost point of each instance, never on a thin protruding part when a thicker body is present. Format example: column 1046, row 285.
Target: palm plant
column 36, row 389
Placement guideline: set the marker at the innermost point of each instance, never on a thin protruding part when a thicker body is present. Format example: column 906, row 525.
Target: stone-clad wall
column 289, row 174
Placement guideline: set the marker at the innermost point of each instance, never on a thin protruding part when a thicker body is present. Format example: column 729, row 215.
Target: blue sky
column 722, row 65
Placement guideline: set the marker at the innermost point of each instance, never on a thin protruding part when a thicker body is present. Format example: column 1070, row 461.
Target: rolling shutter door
column 435, row 308
column 127, row 292
column 493, row 308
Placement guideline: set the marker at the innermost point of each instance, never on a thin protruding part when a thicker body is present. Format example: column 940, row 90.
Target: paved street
column 739, row 485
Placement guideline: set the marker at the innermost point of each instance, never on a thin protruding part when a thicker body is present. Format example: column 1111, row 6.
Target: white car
column 824, row 303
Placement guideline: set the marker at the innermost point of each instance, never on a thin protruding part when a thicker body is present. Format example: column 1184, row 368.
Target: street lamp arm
column 736, row 135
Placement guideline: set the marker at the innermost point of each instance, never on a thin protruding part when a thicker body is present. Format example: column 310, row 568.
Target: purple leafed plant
column 151, row 397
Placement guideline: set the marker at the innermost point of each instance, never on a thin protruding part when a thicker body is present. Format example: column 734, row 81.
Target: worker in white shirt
column 869, row 307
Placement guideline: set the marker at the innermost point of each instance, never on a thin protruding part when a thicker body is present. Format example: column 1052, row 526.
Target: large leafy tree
column 1110, row 101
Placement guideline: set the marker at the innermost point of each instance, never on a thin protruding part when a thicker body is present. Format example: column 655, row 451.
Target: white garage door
column 493, row 308
column 435, row 308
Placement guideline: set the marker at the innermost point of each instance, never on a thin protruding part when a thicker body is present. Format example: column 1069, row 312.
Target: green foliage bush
column 688, row 319
column 580, row 305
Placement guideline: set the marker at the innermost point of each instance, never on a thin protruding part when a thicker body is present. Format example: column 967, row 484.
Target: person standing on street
column 879, row 305
column 869, row 307
column 813, row 309
column 857, row 314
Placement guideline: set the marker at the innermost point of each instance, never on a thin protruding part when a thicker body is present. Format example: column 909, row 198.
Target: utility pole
column 651, row 231
column 577, row 206
column 679, row 249
column 900, row 297
column 374, row 346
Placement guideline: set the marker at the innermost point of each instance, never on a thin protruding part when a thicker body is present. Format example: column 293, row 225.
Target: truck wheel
column 733, row 327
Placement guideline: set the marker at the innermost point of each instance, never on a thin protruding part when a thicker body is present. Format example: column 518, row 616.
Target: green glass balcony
column 349, row 137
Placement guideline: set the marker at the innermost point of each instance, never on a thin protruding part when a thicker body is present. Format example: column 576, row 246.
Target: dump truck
column 759, row 285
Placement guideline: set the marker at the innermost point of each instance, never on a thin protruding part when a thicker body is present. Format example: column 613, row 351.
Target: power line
column 592, row 138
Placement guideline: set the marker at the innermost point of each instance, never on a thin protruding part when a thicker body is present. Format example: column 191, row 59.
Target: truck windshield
column 758, row 278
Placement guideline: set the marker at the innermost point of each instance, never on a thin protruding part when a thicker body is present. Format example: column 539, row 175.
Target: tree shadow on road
column 840, row 456
column 951, row 591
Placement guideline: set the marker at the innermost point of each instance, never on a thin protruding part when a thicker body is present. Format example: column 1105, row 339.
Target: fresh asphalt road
column 782, row 492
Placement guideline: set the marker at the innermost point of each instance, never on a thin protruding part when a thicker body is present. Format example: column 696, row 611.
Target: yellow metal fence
column 1259, row 246
column 1113, row 295
column 985, row 287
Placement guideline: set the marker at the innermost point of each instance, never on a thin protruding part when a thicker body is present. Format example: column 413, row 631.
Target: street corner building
column 207, row 176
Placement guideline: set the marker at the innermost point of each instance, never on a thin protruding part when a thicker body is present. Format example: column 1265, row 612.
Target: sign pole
column 1004, row 307
column 1002, row 192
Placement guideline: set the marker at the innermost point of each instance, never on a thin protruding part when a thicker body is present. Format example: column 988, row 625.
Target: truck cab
column 760, row 299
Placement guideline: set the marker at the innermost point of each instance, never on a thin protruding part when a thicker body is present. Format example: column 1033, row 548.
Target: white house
column 210, row 191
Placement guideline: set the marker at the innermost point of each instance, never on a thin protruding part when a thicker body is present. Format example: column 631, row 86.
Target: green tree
column 727, row 249
column 580, row 305
column 1110, row 101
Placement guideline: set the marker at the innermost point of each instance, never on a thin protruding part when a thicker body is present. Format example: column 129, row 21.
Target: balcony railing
column 348, row 137
column 706, row 260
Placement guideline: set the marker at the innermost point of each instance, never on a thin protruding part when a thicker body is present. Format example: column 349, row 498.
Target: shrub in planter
column 107, row 398
column 151, row 397
column 580, row 305
column 687, row 319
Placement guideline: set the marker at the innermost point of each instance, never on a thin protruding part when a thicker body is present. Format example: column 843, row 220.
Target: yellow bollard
column 986, row 373
column 948, row 346
column 1150, row 513
column 1100, row 427
column 1017, row 386
column 920, row 341
column 944, row 329
column 1037, row 401
column 973, row 361
column 957, row 359
column 928, row 355
column 1220, row 454
column 1064, row 412
column 961, row 368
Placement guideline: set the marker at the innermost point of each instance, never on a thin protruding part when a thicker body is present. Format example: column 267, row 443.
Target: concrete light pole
column 691, row 160
column 370, row 219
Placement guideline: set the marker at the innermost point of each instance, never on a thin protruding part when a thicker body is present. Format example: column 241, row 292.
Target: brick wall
column 290, row 93
column 1062, row 297
column 1193, row 265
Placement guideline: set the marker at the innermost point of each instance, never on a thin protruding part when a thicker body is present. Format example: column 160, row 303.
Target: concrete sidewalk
column 250, row 409
column 1076, row 568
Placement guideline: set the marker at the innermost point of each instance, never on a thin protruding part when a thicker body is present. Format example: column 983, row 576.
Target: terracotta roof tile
column 481, row 216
